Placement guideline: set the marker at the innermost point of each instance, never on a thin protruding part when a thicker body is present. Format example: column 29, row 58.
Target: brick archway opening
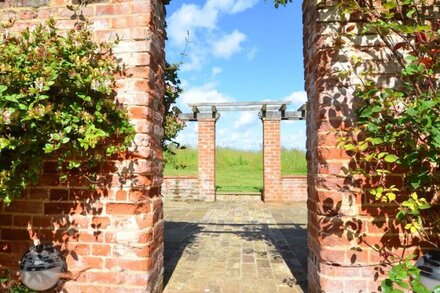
column 118, row 236
column 271, row 115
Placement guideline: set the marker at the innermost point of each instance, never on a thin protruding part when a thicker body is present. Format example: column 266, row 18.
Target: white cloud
column 196, row 26
column 293, row 136
column 188, row 136
column 216, row 71
column 297, row 98
column 191, row 17
column 246, row 137
column 196, row 60
column 230, row 6
column 219, row 5
column 242, row 5
column 250, row 139
column 228, row 45
column 251, row 54
column 188, row 19
column 246, row 118
column 202, row 94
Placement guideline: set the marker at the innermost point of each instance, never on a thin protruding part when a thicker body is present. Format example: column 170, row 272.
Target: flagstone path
column 230, row 247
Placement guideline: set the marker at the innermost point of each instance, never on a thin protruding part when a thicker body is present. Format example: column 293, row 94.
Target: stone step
column 238, row 196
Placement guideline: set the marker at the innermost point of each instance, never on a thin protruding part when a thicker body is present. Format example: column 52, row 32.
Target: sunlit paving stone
column 231, row 247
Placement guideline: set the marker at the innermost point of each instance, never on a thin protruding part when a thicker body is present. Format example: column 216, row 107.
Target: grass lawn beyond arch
column 237, row 170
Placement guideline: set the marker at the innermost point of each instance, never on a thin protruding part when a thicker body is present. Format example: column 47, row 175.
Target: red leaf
column 421, row 37
column 427, row 61
column 350, row 28
column 399, row 46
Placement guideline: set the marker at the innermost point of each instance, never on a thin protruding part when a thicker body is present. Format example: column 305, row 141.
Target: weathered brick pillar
column 206, row 151
column 114, row 232
column 344, row 226
column 272, row 159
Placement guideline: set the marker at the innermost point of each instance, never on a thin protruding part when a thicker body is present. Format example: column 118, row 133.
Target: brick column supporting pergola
column 206, row 149
column 271, row 113
column 272, row 159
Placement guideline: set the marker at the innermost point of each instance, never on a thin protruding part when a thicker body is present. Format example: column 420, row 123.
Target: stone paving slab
column 230, row 247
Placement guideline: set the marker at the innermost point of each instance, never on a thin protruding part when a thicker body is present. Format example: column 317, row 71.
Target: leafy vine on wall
column 395, row 144
column 56, row 102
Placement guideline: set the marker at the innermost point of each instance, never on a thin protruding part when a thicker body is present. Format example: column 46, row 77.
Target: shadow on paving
column 177, row 236
column 285, row 242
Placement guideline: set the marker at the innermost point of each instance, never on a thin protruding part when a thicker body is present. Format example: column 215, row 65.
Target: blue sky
column 238, row 50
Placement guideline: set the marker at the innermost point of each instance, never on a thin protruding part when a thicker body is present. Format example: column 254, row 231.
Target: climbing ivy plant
column 56, row 102
column 277, row 3
column 397, row 132
column 172, row 124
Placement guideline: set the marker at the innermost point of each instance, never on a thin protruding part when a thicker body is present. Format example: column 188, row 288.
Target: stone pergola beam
column 288, row 115
column 266, row 110
column 198, row 116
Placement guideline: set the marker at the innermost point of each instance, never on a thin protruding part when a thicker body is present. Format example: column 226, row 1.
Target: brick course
column 294, row 188
column 181, row 188
column 186, row 188
column 114, row 232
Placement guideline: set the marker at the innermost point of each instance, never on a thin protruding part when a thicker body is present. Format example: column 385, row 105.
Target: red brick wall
column 116, row 231
column 338, row 212
column 294, row 188
column 271, row 160
column 206, row 152
column 181, row 188
column 177, row 188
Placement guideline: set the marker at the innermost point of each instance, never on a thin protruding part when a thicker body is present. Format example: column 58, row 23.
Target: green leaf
column 73, row 165
column 391, row 196
column 56, row 136
column 418, row 287
column 48, row 148
column 403, row 284
column 389, row 5
column 85, row 98
column 59, row 64
column 4, row 143
column 349, row 147
column 410, row 13
column 391, row 158
column 376, row 140
column 11, row 98
column 412, row 111
column 386, row 286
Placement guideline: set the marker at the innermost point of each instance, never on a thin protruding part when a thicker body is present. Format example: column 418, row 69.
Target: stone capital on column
column 270, row 115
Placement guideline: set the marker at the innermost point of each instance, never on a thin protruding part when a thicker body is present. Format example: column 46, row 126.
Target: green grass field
column 237, row 171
